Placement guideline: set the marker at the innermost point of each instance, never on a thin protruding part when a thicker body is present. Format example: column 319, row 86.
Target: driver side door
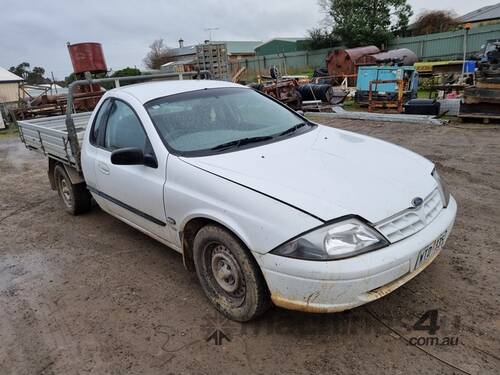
column 134, row 193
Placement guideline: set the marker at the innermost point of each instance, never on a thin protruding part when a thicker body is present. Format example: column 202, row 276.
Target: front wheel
column 76, row 197
column 229, row 276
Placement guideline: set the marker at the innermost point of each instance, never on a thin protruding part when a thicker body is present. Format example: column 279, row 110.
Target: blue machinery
column 386, row 86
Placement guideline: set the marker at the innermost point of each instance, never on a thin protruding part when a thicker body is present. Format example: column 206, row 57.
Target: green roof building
column 281, row 45
column 243, row 49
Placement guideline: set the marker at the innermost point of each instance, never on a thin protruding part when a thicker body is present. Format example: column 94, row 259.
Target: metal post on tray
column 70, row 124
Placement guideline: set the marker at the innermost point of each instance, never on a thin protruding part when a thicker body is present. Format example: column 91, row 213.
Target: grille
column 411, row 220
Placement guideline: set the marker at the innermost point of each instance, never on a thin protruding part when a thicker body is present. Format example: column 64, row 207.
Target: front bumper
column 338, row 285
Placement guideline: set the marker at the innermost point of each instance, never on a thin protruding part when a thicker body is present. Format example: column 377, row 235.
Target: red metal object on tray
column 87, row 57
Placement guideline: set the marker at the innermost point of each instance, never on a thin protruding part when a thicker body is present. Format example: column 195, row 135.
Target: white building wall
column 9, row 92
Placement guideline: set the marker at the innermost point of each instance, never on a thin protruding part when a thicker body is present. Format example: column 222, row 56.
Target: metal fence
column 440, row 46
column 288, row 63
column 448, row 45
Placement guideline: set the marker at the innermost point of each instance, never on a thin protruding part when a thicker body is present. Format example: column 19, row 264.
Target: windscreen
column 202, row 120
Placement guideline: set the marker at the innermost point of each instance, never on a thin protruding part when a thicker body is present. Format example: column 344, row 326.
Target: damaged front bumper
column 331, row 286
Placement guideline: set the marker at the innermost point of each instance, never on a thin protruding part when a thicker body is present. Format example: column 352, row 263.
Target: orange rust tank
column 87, row 57
column 343, row 61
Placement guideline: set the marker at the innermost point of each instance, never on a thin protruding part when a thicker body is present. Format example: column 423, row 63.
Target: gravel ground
column 90, row 295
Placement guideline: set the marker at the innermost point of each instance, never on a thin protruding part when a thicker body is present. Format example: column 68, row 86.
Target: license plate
column 431, row 249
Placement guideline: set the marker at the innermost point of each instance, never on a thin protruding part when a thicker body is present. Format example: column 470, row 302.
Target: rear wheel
column 228, row 274
column 75, row 197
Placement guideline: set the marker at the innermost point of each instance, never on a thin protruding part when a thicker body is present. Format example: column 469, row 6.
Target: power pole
column 54, row 82
column 467, row 27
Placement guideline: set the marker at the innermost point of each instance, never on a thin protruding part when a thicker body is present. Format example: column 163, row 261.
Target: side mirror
column 150, row 161
column 133, row 156
column 127, row 156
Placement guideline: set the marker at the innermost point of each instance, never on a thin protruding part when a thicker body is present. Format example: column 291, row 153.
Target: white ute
column 264, row 204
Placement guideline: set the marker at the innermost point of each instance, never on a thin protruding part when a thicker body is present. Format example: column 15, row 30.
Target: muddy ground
column 90, row 295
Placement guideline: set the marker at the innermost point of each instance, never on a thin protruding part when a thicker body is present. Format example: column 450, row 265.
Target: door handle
column 103, row 168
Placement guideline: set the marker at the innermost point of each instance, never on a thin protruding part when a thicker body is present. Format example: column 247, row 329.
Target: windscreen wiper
column 240, row 142
column 293, row 129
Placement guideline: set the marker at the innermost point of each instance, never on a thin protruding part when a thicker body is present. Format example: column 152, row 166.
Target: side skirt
column 135, row 226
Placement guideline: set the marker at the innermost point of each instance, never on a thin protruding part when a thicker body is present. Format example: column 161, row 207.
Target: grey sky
column 37, row 31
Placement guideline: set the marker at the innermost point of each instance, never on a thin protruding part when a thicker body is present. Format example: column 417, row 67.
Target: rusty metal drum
column 87, row 57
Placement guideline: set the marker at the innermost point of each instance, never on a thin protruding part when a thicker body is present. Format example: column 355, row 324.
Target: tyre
column 76, row 198
column 228, row 274
column 296, row 102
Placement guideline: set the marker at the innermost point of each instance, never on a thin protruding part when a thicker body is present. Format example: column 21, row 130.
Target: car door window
column 123, row 128
column 98, row 125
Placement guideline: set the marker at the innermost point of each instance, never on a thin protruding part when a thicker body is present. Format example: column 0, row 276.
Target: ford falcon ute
column 266, row 206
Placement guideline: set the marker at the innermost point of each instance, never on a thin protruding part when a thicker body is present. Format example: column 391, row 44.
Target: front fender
column 261, row 222
column 218, row 217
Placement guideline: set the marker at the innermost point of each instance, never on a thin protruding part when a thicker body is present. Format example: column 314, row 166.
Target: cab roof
column 147, row 91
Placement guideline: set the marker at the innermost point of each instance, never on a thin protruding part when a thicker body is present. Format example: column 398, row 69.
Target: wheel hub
column 65, row 191
column 226, row 270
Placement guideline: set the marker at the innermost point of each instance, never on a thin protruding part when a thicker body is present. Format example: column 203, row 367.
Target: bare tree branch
column 158, row 55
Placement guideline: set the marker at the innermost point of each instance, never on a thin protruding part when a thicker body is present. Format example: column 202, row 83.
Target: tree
column 321, row 38
column 68, row 79
column 33, row 77
column 21, row 70
column 158, row 54
column 434, row 21
column 363, row 22
column 127, row 72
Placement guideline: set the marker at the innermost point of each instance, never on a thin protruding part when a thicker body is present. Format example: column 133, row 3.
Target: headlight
column 443, row 191
column 343, row 239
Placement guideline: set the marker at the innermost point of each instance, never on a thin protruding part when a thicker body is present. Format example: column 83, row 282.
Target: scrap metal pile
column 88, row 61
column 300, row 93
column 482, row 100
column 53, row 105
column 332, row 85
column 343, row 64
column 376, row 79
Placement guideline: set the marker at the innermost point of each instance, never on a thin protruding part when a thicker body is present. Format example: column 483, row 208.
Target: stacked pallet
column 213, row 57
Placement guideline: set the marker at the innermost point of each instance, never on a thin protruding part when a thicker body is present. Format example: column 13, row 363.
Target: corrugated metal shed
column 9, row 86
column 6, row 76
column 486, row 13
column 244, row 47
column 183, row 51
column 281, row 45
